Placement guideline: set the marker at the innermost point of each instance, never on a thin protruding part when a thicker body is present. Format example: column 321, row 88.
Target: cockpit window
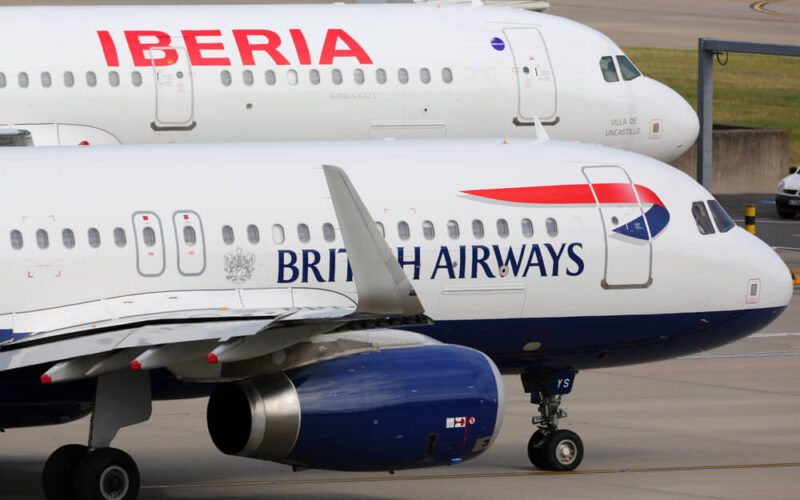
column 628, row 70
column 701, row 218
column 609, row 69
column 721, row 217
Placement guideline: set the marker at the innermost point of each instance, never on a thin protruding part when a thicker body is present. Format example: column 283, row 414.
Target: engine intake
column 384, row 410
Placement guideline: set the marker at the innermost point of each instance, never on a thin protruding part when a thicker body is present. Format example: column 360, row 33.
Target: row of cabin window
column 92, row 237
column 292, row 78
column 23, row 80
column 314, row 76
column 278, row 234
column 403, row 231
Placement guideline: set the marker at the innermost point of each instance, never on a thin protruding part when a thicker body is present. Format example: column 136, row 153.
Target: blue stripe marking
column 657, row 219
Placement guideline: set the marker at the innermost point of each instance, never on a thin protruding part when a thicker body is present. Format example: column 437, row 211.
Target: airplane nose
column 769, row 279
column 673, row 123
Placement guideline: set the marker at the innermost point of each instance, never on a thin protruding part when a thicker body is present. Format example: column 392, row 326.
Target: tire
column 536, row 448
column 785, row 214
column 564, row 450
column 107, row 474
column 58, row 475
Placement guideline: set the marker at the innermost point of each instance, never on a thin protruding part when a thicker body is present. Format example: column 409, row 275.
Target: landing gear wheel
column 107, row 474
column 59, row 472
column 536, row 447
column 786, row 214
column 564, row 450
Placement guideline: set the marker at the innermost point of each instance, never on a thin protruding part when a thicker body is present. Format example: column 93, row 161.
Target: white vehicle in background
column 787, row 200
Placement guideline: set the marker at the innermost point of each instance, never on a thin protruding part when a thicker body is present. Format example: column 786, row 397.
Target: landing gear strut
column 98, row 472
column 551, row 448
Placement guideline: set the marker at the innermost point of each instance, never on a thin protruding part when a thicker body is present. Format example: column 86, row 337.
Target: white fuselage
column 150, row 74
column 101, row 232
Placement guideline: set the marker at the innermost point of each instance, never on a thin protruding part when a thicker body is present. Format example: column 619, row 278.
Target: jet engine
column 381, row 410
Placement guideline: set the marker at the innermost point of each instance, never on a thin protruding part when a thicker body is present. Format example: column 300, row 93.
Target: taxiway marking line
column 762, row 335
column 474, row 476
column 760, row 7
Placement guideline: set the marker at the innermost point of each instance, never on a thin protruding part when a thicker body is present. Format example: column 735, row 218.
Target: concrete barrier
column 745, row 160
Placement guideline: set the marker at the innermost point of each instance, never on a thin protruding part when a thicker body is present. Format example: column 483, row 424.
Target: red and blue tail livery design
column 656, row 215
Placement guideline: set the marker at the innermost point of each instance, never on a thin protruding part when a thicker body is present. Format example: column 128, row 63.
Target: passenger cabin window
column 381, row 228
column 380, row 75
column 701, row 218
column 313, row 75
column 269, row 77
column 608, row 69
column 94, row 237
column 452, row 229
column 626, row 67
column 303, row 234
column 113, row 78
column 427, row 230
column 225, row 77
column 189, row 236
column 42, row 240
column 502, row 228
column 425, row 75
column 336, row 76
column 527, row 228
column 358, row 76
column 447, row 75
column 253, row 234
column 477, row 229
column 16, row 239
column 2, row 80
column 149, row 236
column 402, row 75
column 328, row 234
column 403, row 231
column 68, row 238
column 721, row 217
column 91, row 78
column 136, row 79
column 47, row 80
column 119, row 237
column 227, row 235
column 278, row 236
column 69, row 79
column 552, row 226
column 22, row 79
column 291, row 77
column 247, row 77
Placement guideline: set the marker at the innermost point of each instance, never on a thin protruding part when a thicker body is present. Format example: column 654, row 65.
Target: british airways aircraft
column 351, row 305
column 150, row 74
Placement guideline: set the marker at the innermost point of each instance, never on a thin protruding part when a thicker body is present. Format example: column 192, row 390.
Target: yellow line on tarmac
column 760, row 6
column 472, row 476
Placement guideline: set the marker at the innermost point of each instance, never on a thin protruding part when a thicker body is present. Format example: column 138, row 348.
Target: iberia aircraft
column 352, row 305
column 149, row 74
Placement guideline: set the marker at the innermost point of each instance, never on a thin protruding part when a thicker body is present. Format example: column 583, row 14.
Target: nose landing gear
column 551, row 448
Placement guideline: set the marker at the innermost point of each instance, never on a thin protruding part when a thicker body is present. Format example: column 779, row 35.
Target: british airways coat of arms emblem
column 239, row 265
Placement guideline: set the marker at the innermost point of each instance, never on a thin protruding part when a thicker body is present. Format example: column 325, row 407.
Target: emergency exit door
column 629, row 249
column 174, row 89
column 536, row 82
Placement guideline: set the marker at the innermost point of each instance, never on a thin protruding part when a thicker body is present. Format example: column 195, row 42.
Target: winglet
column 383, row 287
column 541, row 133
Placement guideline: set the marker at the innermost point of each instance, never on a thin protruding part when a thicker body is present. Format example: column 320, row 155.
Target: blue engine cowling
column 386, row 410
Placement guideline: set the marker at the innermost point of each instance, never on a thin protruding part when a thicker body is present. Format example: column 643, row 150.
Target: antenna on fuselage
column 541, row 133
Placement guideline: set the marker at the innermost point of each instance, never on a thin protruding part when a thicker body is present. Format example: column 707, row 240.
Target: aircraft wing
column 385, row 298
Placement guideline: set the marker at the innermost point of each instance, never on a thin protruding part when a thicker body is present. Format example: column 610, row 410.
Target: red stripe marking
column 570, row 194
